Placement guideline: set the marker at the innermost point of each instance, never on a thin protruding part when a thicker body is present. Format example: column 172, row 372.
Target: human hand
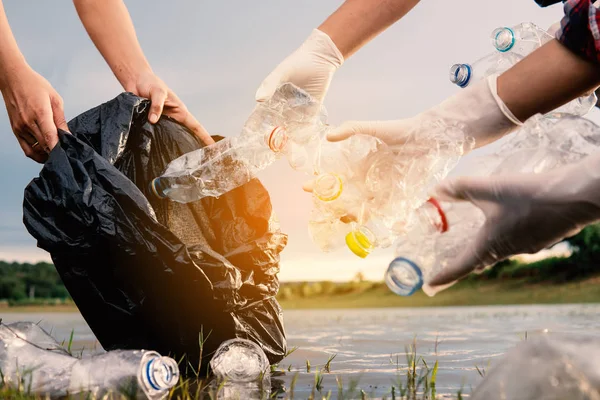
column 35, row 111
column 525, row 213
column 310, row 67
column 164, row 101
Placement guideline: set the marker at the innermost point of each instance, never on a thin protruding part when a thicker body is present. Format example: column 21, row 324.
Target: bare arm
column 546, row 79
column 357, row 22
column 34, row 108
column 110, row 27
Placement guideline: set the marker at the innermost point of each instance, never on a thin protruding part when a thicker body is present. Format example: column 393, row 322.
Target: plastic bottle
column 440, row 231
column 521, row 39
column 287, row 125
column 31, row 360
column 240, row 361
column 512, row 45
column 363, row 191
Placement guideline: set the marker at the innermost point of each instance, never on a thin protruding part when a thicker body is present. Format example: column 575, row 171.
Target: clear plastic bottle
column 287, row 125
column 363, row 191
column 439, row 233
column 512, row 45
column 465, row 74
column 33, row 361
column 354, row 183
column 521, row 39
column 239, row 361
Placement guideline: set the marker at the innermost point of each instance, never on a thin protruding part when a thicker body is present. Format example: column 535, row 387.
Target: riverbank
column 324, row 295
column 376, row 295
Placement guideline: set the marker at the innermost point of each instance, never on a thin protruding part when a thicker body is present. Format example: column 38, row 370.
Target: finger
column 265, row 90
column 350, row 128
column 158, row 96
column 465, row 189
column 47, row 129
column 196, row 127
column 58, row 114
column 308, row 186
column 475, row 256
column 38, row 156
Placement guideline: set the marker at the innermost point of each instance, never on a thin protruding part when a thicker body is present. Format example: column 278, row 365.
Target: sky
column 215, row 54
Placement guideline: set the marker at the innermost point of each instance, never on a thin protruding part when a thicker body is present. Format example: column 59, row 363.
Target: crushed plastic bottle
column 512, row 45
column 438, row 231
column 521, row 39
column 363, row 188
column 287, row 125
column 31, row 360
column 239, row 361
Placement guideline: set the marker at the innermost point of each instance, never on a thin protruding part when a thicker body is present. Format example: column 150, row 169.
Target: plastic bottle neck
column 503, row 39
column 160, row 373
column 276, row 139
column 432, row 218
column 460, row 74
column 361, row 241
column 328, row 187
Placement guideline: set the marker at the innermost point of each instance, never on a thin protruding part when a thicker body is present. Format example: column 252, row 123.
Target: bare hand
column 35, row 111
column 164, row 101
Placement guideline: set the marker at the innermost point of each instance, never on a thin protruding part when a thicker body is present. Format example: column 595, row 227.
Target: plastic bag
column 149, row 273
column 550, row 368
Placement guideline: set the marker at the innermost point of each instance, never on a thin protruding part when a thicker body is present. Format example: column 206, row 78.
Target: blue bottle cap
column 403, row 277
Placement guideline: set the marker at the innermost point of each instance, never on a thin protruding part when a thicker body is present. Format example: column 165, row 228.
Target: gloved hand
column 525, row 213
column 478, row 109
column 310, row 67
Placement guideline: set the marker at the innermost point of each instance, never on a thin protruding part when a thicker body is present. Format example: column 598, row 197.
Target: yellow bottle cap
column 359, row 243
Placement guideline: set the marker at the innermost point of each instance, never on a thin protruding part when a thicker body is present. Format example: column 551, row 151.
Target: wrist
column 10, row 70
column 128, row 74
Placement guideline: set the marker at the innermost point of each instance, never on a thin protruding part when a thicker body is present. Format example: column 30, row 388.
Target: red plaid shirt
column 579, row 30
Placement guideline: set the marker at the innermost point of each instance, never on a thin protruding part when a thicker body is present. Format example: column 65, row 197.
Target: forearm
column 546, row 79
column 109, row 25
column 11, row 59
column 357, row 22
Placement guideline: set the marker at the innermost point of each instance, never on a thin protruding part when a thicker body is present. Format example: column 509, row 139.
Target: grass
column 467, row 293
column 416, row 380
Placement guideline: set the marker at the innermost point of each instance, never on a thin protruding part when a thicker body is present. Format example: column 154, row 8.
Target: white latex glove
column 310, row 67
column 525, row 213
column 478, row 108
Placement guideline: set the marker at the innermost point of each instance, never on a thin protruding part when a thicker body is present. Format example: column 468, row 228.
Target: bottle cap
column 157, row 189
column 328, row 187
column 277, row 139
column 403, row 277
column 503, row 39
column 361, row 242
column 460, row 74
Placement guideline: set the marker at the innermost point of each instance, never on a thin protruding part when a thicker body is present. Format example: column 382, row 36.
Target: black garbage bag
column 146, row 272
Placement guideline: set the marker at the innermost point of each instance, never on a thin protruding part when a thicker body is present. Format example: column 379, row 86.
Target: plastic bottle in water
column 240, row 361
column 32, row 361
column 286, row 125
column 440, row 231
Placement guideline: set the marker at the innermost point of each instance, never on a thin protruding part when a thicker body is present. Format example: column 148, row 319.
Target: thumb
column 465, row 189
column 266, row 89
column 474, row 257
column 158, row 96
column 308, row 186
column 351, row 128
column 59, row 116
